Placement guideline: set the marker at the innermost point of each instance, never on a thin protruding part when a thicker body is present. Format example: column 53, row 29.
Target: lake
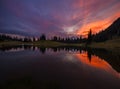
column 29, row 67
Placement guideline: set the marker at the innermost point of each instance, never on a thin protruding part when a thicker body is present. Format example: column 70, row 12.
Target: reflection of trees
column 7, row 48
column 42, row 50
column 80, row 51
column 111, row 57
column 89, row 54
column 55, row 49
column 33, row 48
column 27, row 46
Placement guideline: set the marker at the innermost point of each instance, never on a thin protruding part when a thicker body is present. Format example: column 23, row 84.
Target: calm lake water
column 27, row 67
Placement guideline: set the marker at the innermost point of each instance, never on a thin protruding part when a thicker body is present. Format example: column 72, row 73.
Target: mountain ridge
column 109, row 33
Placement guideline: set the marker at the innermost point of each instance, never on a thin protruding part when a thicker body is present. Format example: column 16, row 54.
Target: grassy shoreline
column 109, row 45
column 37, row 43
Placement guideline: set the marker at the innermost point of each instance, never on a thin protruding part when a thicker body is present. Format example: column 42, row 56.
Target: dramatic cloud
column 61, row 17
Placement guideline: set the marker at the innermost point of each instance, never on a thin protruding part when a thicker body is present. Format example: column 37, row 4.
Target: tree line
column 43, row 37
column 110, row 33
column 99, row 37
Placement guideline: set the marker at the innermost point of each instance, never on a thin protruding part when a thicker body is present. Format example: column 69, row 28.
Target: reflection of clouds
column 70, row 58
column 97, row 25
column 96, row 62
column 15, row 50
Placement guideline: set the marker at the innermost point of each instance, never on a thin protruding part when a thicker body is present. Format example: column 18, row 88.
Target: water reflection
column 95, row 61
column 42, row 49
column 110, row 57
column 59, row 67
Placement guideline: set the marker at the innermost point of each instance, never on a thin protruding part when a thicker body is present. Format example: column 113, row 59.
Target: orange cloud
column 97, row 25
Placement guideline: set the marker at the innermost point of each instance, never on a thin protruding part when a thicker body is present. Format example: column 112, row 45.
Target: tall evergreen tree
column 43, row 37
column 89, row 39
column 55, row 38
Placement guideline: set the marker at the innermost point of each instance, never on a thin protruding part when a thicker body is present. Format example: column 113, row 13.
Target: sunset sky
column 56, row 17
